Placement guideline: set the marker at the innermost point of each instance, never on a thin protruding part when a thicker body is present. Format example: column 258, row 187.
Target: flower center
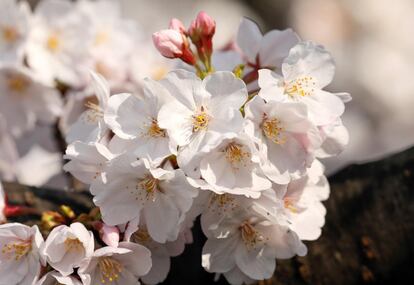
column 159, row 72
column 273, row 130
column 235, row 154
column 141, row 236
column 300, row 87
column 200, row 120
column 10, row 34
column 95, row 112
column 17, row 250
column 101, row 38
column 154, row 130
column 73, row 244
column 110, row 269
column 53, row 43
column 222, row 203
column 18, row 83
column 150, row 186
column 290, row 205
column 251, row 237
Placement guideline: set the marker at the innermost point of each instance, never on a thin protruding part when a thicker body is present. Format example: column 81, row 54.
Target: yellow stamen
column 101, row 38
column 235, row 154
column 17, row 250
column 302, row 86
column 18, row 83
column 200, row 120
column 290, row 205
column 73, row 244
column 273, row 130
column 159, row 72
column 222, row 203
column 10, row 34
column 141, row 236
column 110, row 269
column 154, row 130
column 53, row 43
column 251, row 237
column 95, row 112
column 150, row 185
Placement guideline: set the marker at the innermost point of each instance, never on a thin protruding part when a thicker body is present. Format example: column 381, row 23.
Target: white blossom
column 14, row 30
column 59, row 43
column 134, row 188
column 264, row 51
column 285, row 136
column 87, row 161
column 114, row 39
column 161, row 253
column 20, row 260
column 90, row 126
column 135, row 118
column 123, row 264
column 251, row 244
column 24, row 100
column 67, row 246
column 204, row 111
column 307, row 69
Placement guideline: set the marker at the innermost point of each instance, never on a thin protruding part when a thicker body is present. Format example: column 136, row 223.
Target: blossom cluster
column 46, row 55
column 232, row 136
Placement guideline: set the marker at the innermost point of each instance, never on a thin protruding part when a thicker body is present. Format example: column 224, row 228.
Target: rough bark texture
column 367, row 239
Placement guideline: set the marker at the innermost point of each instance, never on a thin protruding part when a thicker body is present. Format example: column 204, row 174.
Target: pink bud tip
column 109, row 235
column 204, row 24
column 170, row 43
column 177, row 25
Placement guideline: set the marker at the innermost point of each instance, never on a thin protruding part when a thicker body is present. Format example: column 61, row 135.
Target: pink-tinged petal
column 257, row 263
column 309, row 59
column 275, row 47
column 109, row 235
column 218, row 254
column 249, row 38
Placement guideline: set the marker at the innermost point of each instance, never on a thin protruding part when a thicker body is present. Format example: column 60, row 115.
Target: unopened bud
column 172, row 44
column 203, row 27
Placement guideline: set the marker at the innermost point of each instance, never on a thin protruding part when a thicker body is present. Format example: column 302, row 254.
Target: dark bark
column 368, row 236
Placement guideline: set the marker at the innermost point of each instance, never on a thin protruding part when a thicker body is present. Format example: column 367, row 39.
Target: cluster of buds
column 175, row 41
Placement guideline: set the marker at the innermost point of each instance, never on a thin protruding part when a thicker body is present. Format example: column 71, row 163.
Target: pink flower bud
column 203, row 26
column 108, row 234
column 170, row 43
column 177, row 25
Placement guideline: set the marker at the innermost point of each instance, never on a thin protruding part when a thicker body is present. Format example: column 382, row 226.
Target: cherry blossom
column 135, row 188
column 251, row 244
column 306, row 70
column 20, row 260
column 285, row 136
column 204, row 111
column 90, row 126
column 14, row 30
column 135, row 118
column 123, row 264
column 59, row 42
column 66, row 247
column 87, row 160
column 24, row 99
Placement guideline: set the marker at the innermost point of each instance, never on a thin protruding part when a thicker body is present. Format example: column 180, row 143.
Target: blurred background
column 371, row 40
